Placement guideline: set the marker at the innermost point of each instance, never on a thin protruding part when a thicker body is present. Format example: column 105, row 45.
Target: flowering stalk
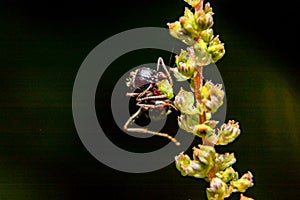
column 194, row 28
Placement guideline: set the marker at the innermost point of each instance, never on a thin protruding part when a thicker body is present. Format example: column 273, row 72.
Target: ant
column 153, row 90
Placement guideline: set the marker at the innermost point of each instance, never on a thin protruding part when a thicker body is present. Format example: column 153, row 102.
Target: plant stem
column 198, row 83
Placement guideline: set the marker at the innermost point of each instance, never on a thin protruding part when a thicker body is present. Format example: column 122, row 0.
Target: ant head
column 141, row 77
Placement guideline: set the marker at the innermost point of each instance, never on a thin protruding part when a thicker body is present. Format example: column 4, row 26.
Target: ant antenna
column 171, row 56
column 160, row 61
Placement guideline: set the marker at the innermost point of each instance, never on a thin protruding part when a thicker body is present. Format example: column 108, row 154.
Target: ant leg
column 160, row 61
column 153, row 97
column 144, row 130
column 161, row 104
column 139, row 95
column 132, row 94
column 135, row 94
column 144, row 92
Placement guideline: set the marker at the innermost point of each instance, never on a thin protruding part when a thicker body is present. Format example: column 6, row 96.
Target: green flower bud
column 200, row 46
column 243, row 183
column 182, row 162
column 185, row 65
column 165, row 87
column 228, row 132
column 203, row 20
column 207, row 35
column 215, row 41
column 182, row 57
column 224, row 161
column 227, row 175
column 190, row 167
column 208, row 9
column 212, row 97
column 217, row 51
column 201, row 55
column 189, row 14
column 189, row 59
column 205, row 155
column 186, row 69
column 202, row 130
column 205, row 129
column 188, row 23
column 177, row 31
column 218, row 190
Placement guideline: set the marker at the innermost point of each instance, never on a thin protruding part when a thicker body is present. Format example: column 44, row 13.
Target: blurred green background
column 42, row 46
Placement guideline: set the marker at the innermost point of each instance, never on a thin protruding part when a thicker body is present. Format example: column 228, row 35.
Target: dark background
column 42, row 45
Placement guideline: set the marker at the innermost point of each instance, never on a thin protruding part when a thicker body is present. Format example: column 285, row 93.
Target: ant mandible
column 153, row 89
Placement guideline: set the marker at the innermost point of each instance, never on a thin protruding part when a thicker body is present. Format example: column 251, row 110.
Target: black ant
column 153, row 90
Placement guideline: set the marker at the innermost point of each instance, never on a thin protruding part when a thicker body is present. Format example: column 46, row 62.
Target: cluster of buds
column 195, row 29
column 200, row 166
column 206, row 163
column 211, row 97
column 242, row 184
column 216, row 168
column 228, row 132
column 219, row 189
column 191, row 25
